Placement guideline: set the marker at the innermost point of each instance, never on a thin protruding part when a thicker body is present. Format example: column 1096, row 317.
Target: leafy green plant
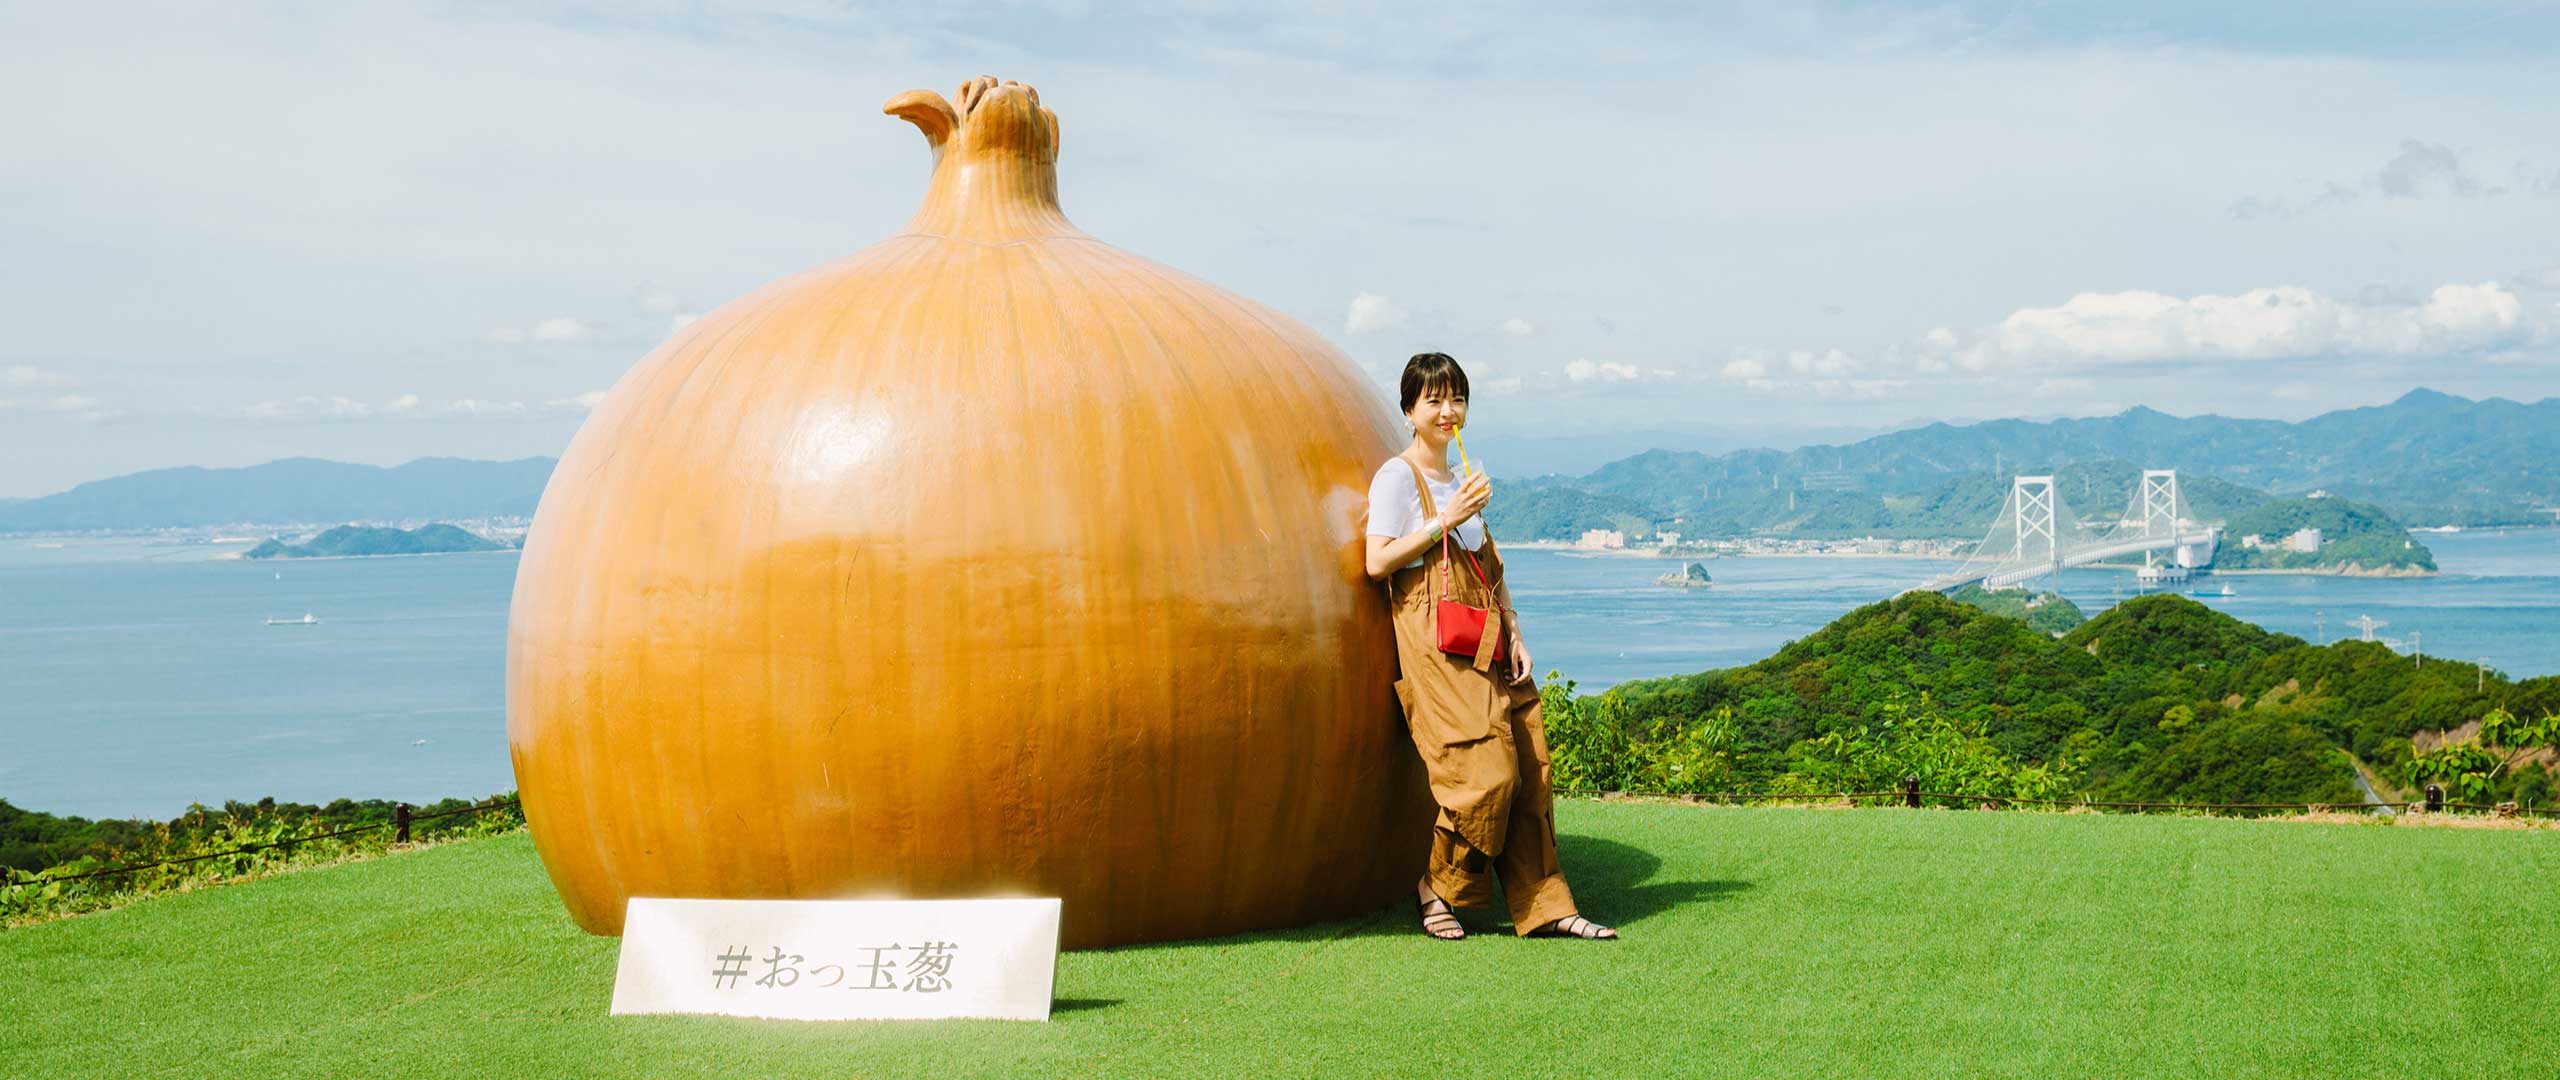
column 243, row 840
column 2471, row 771
column 1913, row 738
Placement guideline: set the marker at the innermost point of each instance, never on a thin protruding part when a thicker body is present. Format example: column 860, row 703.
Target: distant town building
column 2252, row 542
column 2320, row 493
column 2304, row 540
column 1668, row 539
column 1601, row 540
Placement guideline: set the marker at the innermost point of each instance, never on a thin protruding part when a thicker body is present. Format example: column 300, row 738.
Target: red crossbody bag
column 1463, row 630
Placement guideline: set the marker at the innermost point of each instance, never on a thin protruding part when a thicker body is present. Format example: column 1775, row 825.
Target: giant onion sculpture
column 989, row 560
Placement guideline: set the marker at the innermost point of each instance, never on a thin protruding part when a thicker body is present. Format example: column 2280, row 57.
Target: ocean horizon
column 138, row 676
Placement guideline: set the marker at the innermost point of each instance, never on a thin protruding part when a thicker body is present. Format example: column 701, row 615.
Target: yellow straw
column 1458, row 432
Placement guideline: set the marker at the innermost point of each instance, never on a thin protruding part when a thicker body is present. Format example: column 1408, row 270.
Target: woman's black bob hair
column 1431, row 371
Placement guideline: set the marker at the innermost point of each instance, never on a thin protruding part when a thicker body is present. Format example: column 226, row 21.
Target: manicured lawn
column 1797, row 943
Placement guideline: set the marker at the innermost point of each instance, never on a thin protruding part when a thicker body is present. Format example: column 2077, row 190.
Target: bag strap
column 1422, row 488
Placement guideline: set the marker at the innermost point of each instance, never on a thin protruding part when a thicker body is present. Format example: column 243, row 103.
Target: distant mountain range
column 290, row 490
column 2427, row 458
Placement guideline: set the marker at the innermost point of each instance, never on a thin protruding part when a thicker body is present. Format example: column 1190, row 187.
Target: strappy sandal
column 1575, row 926
column 1447, row 927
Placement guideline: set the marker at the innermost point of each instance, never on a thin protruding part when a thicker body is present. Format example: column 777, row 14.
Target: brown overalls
column 1484, row 743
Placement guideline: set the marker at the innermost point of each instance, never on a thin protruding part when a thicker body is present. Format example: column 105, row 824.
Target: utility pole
column 2480, row 676
column 2322, row 624
column 2417, row 649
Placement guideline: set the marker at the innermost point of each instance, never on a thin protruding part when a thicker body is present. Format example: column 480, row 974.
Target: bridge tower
column 2159, row 508
column 2031, row 498
column 2159, row 502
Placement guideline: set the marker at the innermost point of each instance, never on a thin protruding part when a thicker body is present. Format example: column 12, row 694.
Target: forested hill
column 2353, row 534
column 290, row 490
column 2159, row 698
column 2427, row 458
column 360, row 540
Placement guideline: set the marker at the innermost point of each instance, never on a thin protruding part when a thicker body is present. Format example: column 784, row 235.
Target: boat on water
column 305, row 620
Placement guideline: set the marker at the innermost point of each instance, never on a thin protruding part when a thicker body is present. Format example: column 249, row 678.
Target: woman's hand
column 1520, row 666
column 1470, row 500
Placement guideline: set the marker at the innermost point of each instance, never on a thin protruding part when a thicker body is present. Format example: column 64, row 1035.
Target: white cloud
column 548, row 331
column 82, row 406
column 478, row 409
column 2419, row 170
column 1508, row 384
column 543, row 183
column 23, row 375
column 1862, row 389
column 1371, row 312
column 561, row 329
column 1768, row 371
column 308, row 408
column 1612, row 372
column 2282, row 323
column 1517, row 327
column 653, row 300
column 680, row 320
column 2546, row 279
column 1829, row 364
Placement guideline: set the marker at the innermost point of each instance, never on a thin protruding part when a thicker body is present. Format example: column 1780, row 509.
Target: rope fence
column 402, row 817
column 1910, row 795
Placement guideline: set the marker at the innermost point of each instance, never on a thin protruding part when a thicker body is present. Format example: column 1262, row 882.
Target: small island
column 347, row 541
column 2321, row 534
column 1691, row 576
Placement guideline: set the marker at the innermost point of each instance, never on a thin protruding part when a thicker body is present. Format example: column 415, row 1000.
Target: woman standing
column 1474, row 718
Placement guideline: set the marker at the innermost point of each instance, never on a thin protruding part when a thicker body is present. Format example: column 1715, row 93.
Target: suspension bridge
column 2035, row 535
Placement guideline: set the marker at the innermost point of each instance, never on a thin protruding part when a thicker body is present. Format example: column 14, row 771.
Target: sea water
column 137, row 677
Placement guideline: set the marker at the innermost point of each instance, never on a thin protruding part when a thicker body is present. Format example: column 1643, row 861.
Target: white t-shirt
column 1395, row 509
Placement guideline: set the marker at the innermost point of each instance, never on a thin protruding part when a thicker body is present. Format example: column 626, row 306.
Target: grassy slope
column 1761, row 942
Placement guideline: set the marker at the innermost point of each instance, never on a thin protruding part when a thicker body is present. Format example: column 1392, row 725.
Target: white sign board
column 839, row 959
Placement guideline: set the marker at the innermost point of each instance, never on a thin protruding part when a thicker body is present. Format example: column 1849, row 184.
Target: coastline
column 1566, row 547
column 242, row 556
column 2347, row 570
column 2344, row 570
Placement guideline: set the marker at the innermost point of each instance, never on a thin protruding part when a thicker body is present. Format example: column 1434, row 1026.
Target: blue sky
column 379, row 233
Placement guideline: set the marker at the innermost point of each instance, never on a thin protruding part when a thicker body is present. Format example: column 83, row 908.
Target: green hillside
column 1759, row 943
column 1564, row 513
column 347, row 540
column 2157, row 699
column 2048, row 611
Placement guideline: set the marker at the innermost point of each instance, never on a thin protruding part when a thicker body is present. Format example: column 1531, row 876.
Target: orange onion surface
column 989, row 560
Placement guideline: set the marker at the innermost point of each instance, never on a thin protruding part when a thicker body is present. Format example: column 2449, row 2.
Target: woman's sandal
column 1442, row 924
column 1575, row 926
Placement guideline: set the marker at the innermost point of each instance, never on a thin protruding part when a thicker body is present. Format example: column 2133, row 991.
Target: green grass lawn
column 1798, row 943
